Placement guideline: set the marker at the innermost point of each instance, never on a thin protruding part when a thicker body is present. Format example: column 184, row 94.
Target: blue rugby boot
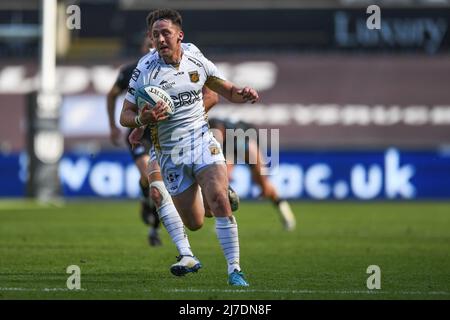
column 236, row 278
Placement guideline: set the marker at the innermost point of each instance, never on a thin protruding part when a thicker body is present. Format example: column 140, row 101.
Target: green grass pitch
column 326, row 257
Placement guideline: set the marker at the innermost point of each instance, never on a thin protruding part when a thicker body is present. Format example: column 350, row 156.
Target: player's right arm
column 130, row 116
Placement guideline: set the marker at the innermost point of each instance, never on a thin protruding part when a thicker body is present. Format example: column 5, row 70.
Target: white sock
column 227, row 233
column 174, row 226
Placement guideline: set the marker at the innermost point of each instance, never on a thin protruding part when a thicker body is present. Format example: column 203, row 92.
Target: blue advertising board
column 389, row 174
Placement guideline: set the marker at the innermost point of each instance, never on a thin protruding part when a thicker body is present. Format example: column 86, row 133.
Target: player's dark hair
column 166, row 14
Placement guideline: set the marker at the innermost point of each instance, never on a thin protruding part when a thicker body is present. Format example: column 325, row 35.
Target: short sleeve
column 193, row 49
column 211, row 70
column 136, row 81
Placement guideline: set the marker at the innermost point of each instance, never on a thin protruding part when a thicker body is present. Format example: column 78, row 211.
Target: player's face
column 166, row 37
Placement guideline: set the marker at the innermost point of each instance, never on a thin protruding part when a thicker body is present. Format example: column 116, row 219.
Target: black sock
column 277, row 201
column 145, row 190
column 157, row 221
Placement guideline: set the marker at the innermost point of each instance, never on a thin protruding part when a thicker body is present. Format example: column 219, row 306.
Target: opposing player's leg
column 148, row 210
column 171, row 220
column 267, row 188
column 149, row 213
column 233, row 198
column 232, row 195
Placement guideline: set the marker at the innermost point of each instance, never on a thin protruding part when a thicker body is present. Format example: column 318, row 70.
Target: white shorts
column 153, row 165
column 178, row 172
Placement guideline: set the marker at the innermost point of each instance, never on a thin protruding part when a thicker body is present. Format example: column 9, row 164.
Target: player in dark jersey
column 247, row 150
column 140, row 153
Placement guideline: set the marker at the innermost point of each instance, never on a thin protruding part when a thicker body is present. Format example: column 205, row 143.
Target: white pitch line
column 35, row 289
column 192, row 290
column 23, row 207
column 308, row 291
column 63, row 289
column 12, row 208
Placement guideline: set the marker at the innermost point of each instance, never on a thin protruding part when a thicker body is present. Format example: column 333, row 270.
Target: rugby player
column 140, row 151
column 201, row 162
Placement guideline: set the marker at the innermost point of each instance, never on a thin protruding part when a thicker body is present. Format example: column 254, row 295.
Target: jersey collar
column 161, row 60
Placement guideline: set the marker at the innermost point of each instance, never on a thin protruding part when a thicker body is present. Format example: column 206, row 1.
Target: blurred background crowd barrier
column 362, row 114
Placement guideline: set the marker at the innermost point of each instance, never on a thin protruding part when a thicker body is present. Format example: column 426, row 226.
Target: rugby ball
column 152, row 94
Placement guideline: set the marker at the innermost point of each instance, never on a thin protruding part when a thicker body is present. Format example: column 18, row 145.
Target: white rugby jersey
column 184, row 85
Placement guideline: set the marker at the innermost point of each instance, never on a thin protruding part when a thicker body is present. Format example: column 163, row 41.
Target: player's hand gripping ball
column 149, row 94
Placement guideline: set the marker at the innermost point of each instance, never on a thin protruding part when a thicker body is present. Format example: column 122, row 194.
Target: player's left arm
column 230, row 91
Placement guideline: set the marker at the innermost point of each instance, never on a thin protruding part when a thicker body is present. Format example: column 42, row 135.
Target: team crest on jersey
column 172, row 177
column 194, row 76
column 214, row 149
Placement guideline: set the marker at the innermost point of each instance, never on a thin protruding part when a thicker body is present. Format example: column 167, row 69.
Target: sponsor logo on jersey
column 148, row 64
column 195, row 62
column 157, row 72
column 166, row 85
column 179, row 73
column 131, row 90
column 186, row 98
column 135, row 75
column 194, row 76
